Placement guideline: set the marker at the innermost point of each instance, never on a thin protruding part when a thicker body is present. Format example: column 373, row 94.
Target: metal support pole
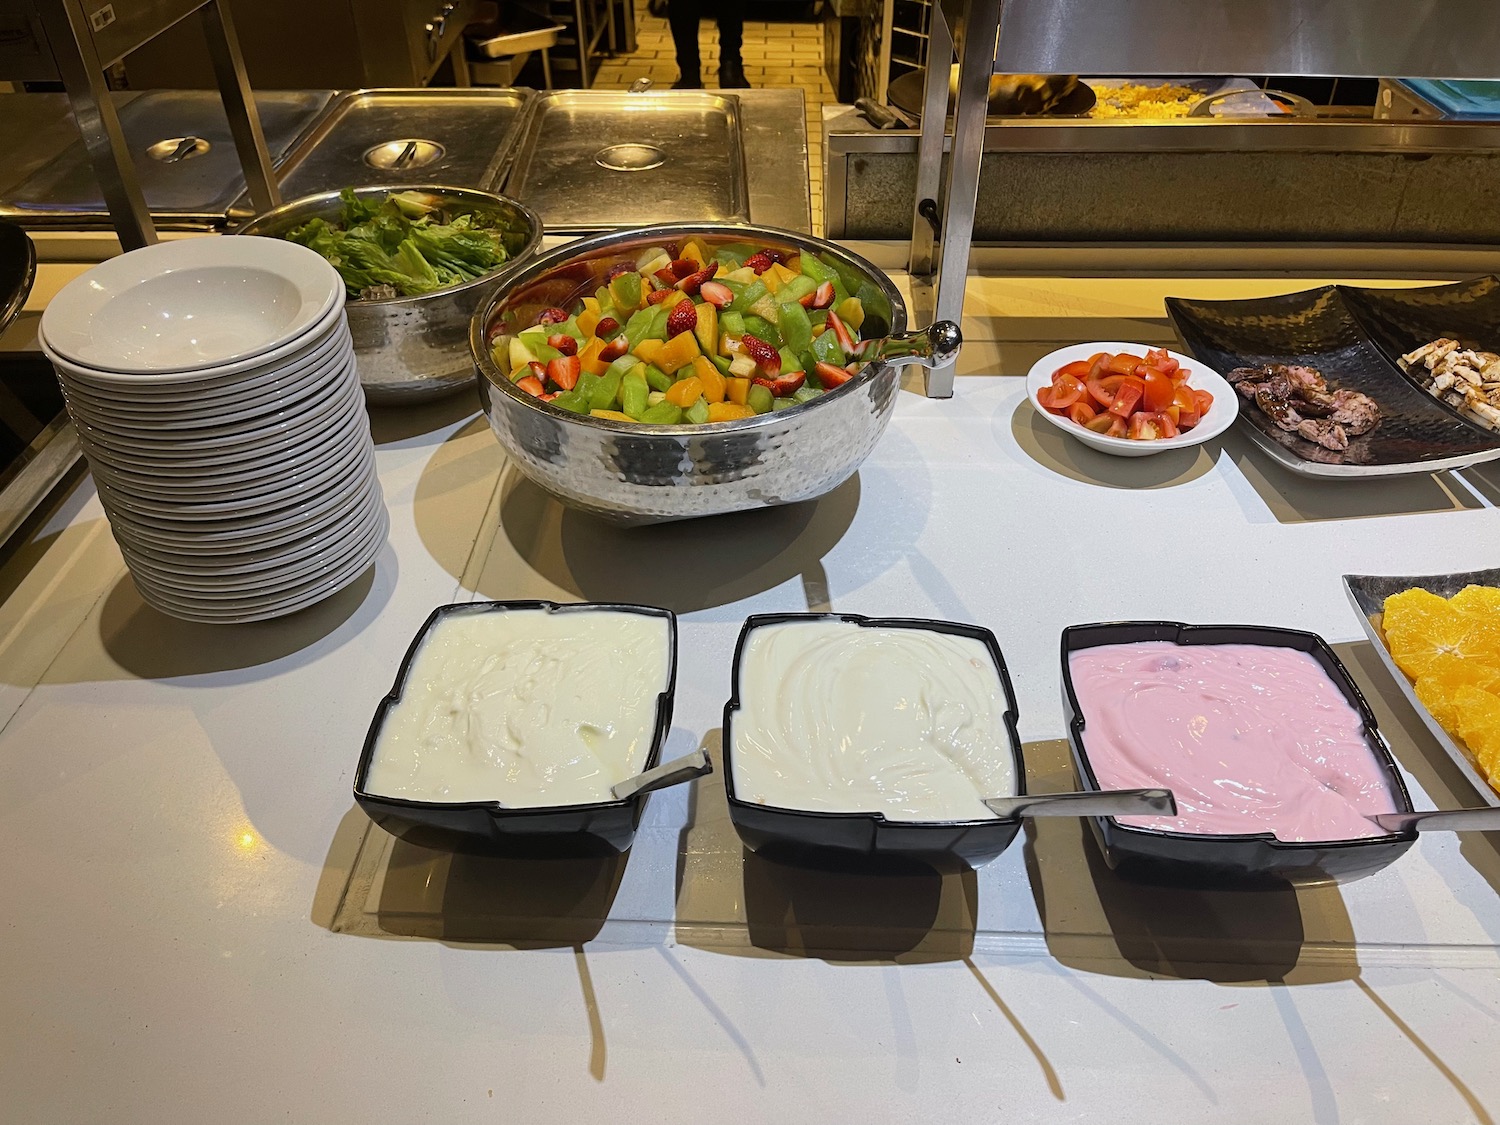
column 239, row 106
column 82, row 71
column 926, row 219
column 960, row 194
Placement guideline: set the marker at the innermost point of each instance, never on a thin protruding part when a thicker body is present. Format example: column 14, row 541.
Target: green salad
column 404, row 245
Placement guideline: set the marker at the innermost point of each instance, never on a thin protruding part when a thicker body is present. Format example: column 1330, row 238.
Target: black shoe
column 686, row 83
column 732, row 75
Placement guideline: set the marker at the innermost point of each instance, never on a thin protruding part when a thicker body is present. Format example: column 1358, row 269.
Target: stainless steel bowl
column 650, row 474
column 410, row 349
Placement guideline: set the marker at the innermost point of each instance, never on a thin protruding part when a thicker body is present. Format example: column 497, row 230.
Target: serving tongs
column 1105, row 802
column 675, row 772
column 1440, row 820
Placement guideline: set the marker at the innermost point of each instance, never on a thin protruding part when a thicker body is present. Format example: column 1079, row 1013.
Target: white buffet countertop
column 201, row 926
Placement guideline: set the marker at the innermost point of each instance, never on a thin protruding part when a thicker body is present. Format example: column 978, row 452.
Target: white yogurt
column 524, row 707
column 839, row 717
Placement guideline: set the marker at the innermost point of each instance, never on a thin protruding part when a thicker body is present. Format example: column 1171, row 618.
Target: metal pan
column 1056, row 95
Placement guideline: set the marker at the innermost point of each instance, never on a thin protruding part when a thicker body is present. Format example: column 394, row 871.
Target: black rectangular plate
column 1320, row 328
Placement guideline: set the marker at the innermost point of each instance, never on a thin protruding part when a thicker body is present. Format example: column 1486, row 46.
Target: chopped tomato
column 1143, row 427
column 1102, row 388
column 1159, row 359
column 1078, row 369
column 1129, row 393
column 1205, row 400
column 1165, row 426
column 1124, row 363
column 1186, row 404
column 1109, row 425
column 1063, row 393
column 1082, row 411
column 1159, row 390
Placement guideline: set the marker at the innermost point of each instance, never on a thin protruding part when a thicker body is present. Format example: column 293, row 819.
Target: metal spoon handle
column 1110, row 802
column 1444, row 820
column 934, row 346
column 667, row 774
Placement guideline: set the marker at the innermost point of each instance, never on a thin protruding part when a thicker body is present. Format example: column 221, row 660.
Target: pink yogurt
column 1249, row 738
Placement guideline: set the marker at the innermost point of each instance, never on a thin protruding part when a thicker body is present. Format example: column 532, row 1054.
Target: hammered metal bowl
column 639, row 474
column 410, row 349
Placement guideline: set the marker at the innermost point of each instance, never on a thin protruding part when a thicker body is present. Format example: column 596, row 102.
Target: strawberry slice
column 549, row 396
column 761, row 262
column 606, row 327
column 767, row 358
column 666, row 276
column 784, row 386
column 615, row 348
column 682, row 318
column 538, row 368
column 831, row 375
column 657, row 296
column 716, row 293
column 616, row 270
column 563, row 343
column 683, row 267
column 841, row 333
column 819, row 298
column 693, row 282
column 531, row 385
column 554, row 315
column 564, row 371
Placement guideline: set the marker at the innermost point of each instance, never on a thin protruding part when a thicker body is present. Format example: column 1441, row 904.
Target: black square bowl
column 819, row 838
column 599, row 828
column 1249, row 859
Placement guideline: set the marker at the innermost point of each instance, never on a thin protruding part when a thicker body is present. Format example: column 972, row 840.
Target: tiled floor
column 775, row 54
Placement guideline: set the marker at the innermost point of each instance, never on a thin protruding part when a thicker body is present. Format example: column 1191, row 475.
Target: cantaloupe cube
column 676, row 352
column 649, row 348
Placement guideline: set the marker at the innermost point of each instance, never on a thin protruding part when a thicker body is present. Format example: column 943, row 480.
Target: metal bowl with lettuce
column 417, row 260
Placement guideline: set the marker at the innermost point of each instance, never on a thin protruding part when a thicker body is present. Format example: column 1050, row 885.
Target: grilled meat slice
column 1357, row 413
column 1328, row 434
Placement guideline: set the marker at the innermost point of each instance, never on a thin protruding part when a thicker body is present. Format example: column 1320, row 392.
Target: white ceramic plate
column 271, row 602
column 233, row 384
column 177, row 308
column 244, row 532
column 1220, row 417
column 355, row 464
column 324, row 542
column 289, row 386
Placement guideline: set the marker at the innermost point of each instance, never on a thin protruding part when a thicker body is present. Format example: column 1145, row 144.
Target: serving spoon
column 1105, row 802
column 665, row 775
column 1440, row 820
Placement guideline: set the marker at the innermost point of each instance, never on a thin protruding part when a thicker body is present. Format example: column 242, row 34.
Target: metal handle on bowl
column 1109, row 802
column 934, row 346
column 1446, row 820
column 674, row 772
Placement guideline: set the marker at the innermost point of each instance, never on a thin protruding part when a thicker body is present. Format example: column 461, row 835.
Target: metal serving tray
column 596, row 160
column 461, row 138
column 184, row 154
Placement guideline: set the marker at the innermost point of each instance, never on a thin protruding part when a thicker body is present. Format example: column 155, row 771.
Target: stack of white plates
column 213, row 386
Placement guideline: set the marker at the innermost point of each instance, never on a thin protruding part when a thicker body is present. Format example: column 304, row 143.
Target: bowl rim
column 1011, row 717
column 297, row 211
column 494, row 808
column 1078, row 637
column 1219, row 421
column 597, row 245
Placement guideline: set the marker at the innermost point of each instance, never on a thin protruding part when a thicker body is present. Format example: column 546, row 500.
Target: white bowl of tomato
column 1129, row 400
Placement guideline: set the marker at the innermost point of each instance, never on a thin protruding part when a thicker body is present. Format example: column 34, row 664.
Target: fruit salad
column 690, row 334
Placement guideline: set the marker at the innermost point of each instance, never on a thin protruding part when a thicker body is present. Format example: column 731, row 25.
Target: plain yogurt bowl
column 876, row 738
column 510, row 721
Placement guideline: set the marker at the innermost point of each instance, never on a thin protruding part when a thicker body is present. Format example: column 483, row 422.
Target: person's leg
column 731, row 20
column 684, row 17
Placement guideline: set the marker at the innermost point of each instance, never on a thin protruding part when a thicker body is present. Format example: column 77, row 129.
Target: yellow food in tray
column 1135, row 100
column 1450, row 647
